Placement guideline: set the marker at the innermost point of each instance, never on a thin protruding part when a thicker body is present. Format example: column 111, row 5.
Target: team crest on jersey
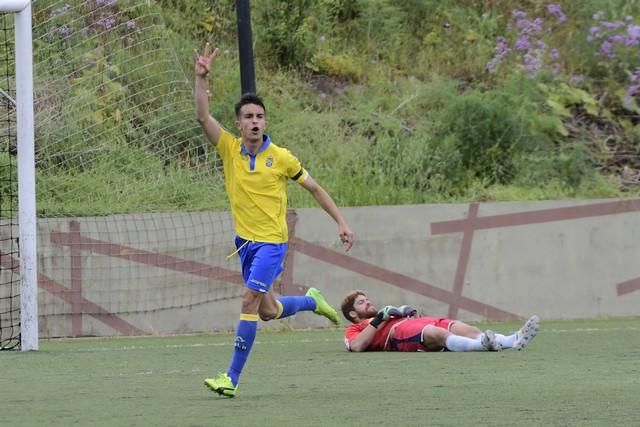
column 269, row 162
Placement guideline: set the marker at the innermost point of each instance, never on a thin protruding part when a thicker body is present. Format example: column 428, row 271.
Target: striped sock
column 245, row 336
column 289, row 306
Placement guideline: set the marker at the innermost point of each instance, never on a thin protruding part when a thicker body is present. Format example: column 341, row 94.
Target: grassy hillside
column 387, row 102
column 415, row 101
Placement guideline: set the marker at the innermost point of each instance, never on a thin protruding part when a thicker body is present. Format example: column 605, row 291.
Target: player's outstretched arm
column 210, row 126
column 326, row 202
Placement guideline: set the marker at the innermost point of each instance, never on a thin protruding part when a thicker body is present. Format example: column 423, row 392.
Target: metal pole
column 245, row 44
column 26, row 182
column 13, row 5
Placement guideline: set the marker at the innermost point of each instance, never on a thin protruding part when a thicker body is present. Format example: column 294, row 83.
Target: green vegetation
column 384, row 102
column 576, row 373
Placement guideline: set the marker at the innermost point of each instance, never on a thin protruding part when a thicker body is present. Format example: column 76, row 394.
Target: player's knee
column 461, row 328
column 251, row 302
column 434, row 336
column 268, row 315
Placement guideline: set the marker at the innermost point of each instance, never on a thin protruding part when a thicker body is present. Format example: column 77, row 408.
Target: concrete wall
column 168, row 273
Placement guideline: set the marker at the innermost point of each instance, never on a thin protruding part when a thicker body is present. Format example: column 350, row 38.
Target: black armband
column 298, row 175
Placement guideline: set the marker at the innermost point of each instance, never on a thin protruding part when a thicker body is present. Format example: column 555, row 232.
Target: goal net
column 133, row 222
column 9, row 278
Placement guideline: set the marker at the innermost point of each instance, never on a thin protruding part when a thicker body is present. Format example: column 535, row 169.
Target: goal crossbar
column 14, row 5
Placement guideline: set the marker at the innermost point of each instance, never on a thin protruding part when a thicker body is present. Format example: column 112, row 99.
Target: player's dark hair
column 348, row 302
column 249, row 98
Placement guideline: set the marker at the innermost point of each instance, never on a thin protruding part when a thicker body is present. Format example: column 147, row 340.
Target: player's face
column 364, row 308
column 251, row 123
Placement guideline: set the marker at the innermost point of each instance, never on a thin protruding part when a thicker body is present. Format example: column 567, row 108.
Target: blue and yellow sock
column 245, row 336
column 288, row 306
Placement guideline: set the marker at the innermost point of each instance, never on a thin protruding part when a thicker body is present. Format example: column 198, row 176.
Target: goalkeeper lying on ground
column 399, row 329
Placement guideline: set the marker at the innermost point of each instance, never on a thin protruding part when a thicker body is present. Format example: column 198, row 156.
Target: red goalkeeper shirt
column 379, row 339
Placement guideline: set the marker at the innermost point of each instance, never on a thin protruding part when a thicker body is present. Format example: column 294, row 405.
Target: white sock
column 458, row 343
column 506, row 341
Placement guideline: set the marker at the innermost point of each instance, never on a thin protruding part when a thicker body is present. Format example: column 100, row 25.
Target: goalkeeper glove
column 407, row 311
column 402, row 311
column 391, row 312
column 382, row 315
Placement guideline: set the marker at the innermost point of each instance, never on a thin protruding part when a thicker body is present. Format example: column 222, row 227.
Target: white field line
column 229, row 343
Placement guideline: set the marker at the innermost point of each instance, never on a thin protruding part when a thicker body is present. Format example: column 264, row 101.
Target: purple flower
column 556, row 10
column 529, row 42
column 531, row 64
column 107, row 3
column 131, row 25
column 530, row 27
column 59, row 11
column 617, row 39
column 108, row 23
column 611, row 26
column 576, row 79
column 631, row 42
column 633, row 90
column 501, row 51
column 64, row 31
column 633, row 31
column 523, row 43
column 607, row 48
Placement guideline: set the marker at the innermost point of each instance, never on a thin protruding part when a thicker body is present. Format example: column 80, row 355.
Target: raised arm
column 326, row 202
column 210, row 126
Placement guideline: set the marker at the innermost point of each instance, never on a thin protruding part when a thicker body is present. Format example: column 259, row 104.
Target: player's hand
column 407, row 311
column 203, row 62
column 402, row 311
column 388, row 311
column 346, row 237
column 383, row 315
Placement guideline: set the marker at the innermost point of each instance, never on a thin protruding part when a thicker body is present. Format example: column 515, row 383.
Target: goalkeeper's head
column 357, row 307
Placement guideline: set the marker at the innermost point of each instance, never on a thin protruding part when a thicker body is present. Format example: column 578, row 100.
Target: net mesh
column 126, row 244
column 9, row 279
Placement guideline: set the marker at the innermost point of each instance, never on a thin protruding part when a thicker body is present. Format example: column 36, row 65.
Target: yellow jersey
column 256, row 186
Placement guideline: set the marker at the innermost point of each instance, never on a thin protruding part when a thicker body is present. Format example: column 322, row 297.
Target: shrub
column 487, row 132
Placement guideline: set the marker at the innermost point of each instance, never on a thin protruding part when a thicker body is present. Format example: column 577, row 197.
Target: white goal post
column 26, row 172
column 14, row 5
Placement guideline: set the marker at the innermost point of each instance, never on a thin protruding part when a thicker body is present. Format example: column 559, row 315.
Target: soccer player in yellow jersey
column 256, row 173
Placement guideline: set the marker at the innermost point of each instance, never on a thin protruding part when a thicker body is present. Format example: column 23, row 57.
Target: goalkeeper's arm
column 362, row 341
